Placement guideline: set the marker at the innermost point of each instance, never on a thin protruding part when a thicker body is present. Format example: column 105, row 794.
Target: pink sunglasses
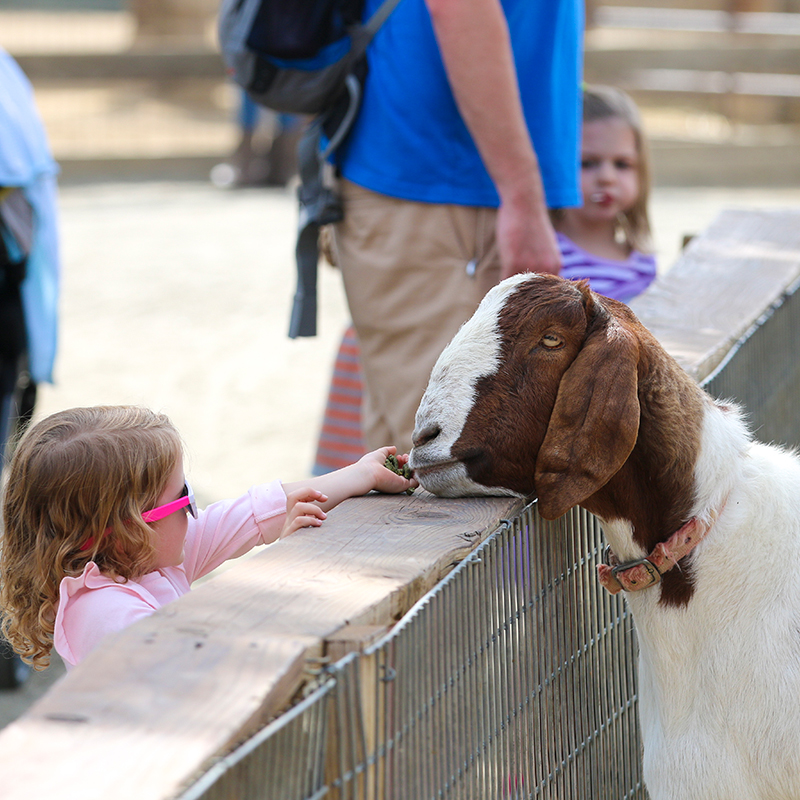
column 186, row 499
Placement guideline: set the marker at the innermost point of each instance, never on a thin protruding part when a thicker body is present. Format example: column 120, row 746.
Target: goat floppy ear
column 595, row 420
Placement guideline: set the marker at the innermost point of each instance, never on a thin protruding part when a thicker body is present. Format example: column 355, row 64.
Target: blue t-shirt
column 410, row 141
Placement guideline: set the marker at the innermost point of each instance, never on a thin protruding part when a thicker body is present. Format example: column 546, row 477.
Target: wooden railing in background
column 718, row 78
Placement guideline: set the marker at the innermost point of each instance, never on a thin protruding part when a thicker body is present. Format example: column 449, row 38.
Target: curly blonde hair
column 80, row 476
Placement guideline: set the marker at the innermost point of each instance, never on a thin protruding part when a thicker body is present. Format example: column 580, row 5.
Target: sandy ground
column 176, row 296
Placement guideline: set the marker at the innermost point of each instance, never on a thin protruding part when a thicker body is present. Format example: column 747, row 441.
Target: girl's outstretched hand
column 324, row 492
column 385, row 479
column 302, row 510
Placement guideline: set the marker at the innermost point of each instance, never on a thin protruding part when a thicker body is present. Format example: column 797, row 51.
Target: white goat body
column 554, row 390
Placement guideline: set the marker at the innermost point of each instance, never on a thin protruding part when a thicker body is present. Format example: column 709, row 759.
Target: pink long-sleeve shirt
column 93, row 605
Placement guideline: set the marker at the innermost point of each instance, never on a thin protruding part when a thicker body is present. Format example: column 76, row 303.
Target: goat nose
column 427, row 434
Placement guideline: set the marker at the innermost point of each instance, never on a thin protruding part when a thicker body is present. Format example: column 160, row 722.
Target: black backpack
column 304, row 57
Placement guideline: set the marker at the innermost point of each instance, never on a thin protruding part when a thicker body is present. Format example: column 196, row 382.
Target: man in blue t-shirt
column 468, row 131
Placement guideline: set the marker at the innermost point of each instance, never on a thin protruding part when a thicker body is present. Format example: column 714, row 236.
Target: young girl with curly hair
column 101, row 527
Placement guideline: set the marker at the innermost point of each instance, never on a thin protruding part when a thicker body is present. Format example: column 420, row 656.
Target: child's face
column 170, row 532
column 609, row 169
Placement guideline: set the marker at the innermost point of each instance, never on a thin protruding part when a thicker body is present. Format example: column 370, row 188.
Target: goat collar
column 633, row 576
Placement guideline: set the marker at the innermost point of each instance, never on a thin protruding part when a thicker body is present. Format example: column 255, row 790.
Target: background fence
column 128, row 87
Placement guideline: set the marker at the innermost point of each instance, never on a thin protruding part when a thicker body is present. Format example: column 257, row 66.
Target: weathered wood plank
column 605, row 64
column 725, row 280
column 139, row 716
column 694, row 19
column 352, row 639
column 146, row 64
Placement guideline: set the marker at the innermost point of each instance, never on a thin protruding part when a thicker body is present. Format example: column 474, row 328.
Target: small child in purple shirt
column 607, row 239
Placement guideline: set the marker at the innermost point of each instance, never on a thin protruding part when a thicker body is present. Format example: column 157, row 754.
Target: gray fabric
column 286, row 90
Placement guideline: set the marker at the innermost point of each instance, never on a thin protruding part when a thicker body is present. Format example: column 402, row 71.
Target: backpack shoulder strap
column 380, row 16
column 363, row 34
column 319, row 203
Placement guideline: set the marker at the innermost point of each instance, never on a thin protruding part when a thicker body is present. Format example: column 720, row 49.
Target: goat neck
column 653, row 494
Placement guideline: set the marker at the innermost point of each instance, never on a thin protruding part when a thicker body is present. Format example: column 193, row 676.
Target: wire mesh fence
column 513, row 678
column 762, row 372
column 284, row 761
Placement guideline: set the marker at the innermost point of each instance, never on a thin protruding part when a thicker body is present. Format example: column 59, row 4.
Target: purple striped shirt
column 620, row 280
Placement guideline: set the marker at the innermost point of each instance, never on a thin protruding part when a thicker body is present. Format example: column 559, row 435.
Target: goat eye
column 551, row 341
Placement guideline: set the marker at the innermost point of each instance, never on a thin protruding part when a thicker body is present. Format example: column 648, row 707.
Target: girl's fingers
column 382, row 453
column 304, row 521
column 309, row 510
column 306, row 495
column 394, row 483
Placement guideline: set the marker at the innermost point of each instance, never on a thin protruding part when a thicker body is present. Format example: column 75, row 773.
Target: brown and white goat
column 553, row 390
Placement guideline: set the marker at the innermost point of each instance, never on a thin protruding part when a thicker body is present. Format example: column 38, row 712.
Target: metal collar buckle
column 632, row 578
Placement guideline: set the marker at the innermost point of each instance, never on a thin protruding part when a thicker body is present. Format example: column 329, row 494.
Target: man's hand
column 475, row 45
column 526, row 242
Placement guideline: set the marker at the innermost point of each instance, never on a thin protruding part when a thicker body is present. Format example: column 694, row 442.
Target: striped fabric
column 620, row 280
column 340, row 441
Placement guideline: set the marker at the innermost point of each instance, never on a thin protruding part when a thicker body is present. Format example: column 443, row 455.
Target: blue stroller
column 29, row 274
